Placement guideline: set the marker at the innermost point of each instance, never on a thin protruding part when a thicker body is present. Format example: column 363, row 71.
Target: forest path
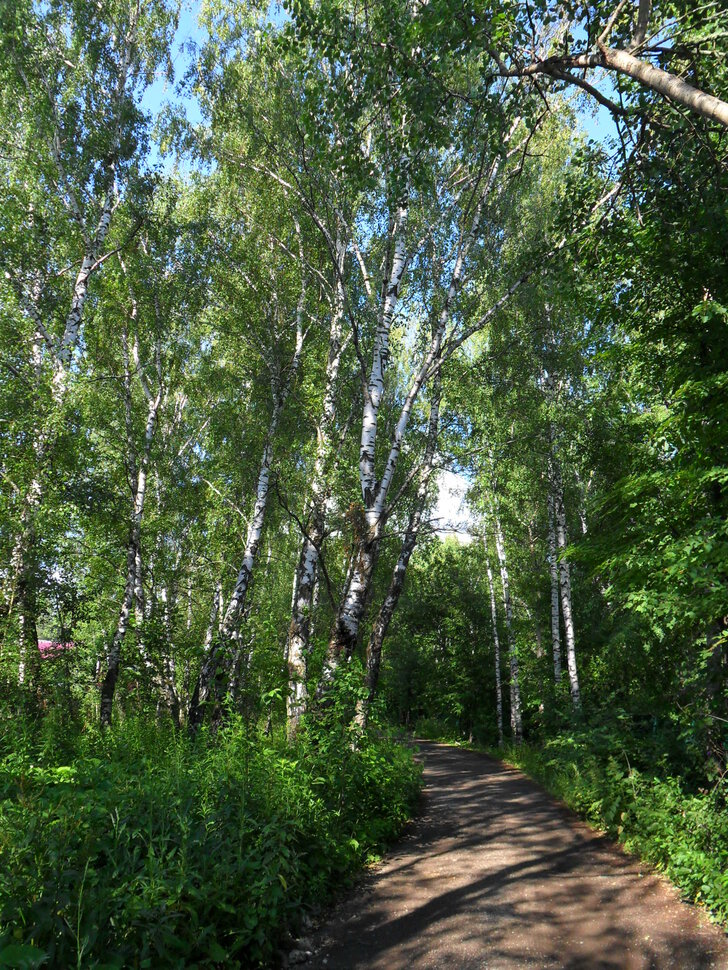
column 495, row 874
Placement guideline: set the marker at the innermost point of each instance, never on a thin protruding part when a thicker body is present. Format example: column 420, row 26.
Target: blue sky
column 597, row 121
column 161, row 92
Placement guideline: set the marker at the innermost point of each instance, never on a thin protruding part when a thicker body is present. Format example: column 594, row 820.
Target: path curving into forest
column 495, row 874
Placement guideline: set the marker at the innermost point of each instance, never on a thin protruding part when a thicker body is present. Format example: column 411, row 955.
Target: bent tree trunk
column 396, row 585
column 668, row 85
column 623, row 62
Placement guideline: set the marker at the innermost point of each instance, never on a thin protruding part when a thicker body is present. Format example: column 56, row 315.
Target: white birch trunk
column 298, row 643
column 353, row 604
column 352, row 607
column 396, row 585
column 668, row 85
column 367, row 533
column 496, row 645
column 212, row 622
column 514, row 686
column 554, row 577
column 133, row 589
column 221, row 653
column 113, row 656
column 380, row 359
column 351, row 610
column 565, row 583
column 220, row 659
column 167, row 673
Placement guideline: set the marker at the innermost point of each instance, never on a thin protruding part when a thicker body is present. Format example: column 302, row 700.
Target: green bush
column 683, row 833
column 434, row 729
column 146, row 849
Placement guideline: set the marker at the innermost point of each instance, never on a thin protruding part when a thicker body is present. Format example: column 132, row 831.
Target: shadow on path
column 495, row 874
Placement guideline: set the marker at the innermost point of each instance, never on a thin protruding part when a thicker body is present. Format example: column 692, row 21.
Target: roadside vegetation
column 142, row 847
column 269, row 277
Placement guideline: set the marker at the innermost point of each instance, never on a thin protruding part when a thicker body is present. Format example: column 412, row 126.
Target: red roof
column 50, row 647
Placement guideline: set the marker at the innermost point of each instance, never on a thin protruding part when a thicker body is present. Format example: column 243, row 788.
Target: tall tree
column 75, row 135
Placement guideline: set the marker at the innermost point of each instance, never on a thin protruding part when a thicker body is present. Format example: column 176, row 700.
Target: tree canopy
column 238, row 355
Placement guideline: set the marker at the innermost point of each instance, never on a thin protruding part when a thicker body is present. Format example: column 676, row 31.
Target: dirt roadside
column 495, row 874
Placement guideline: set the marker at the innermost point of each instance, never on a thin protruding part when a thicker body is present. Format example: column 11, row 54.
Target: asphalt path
column 495, row 874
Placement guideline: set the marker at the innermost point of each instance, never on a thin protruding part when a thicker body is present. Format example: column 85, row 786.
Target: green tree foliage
column 223, row 347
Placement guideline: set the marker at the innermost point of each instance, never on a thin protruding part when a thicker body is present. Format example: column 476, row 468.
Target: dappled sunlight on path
column 494, row 874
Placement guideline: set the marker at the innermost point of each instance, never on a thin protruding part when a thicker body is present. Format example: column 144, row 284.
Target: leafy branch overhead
column 362, row 365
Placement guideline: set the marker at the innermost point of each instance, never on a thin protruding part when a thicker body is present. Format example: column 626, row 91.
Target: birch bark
column 369, row 527
column 514, row 686
column 369, row 530
column 220, row 655
column 496, row 645
column 554, row 578
column 138, row 472
column 571, row 68
column 219, row 659
column 396, row 585
column 298, row 645
column 565, row 581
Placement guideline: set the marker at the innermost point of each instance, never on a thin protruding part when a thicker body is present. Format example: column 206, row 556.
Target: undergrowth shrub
column 653, row 813
column 147, row 849
column 434, row 729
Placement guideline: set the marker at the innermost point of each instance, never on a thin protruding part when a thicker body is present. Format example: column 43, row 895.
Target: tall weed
column 146, row 849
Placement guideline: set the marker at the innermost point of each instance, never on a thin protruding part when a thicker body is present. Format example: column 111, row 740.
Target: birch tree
column 647, row 42
column 556, row 504
column 496, row 644
column 137, row 470
column 554, row 588
column 389, row 196
column 157, row 299
column 72, row 77
column 446, row 336
column 298, row 645
column 274, row 294
column 513, row 682
column 409, row 542
column 285, row 151
column 630, row 40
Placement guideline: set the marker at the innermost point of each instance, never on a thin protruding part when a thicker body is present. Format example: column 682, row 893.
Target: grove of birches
column 249, row 328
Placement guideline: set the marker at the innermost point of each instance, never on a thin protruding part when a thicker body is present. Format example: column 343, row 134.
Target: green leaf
column 22, row 956
column 216, row 952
